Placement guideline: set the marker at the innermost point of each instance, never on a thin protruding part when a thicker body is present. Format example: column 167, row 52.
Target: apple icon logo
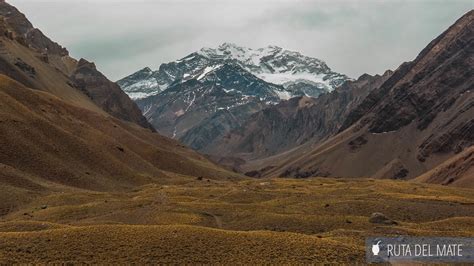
column 376, row 249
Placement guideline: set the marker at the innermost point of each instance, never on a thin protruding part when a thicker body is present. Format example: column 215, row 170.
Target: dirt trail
column 217, row 219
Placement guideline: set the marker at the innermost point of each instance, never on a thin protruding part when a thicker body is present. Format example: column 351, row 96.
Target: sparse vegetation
column 185, row 220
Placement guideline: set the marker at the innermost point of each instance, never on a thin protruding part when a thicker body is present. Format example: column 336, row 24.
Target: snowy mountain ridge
column 209, row 103
column 298, row 74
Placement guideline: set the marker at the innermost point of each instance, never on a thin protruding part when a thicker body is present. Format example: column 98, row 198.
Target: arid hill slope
column 47, row 142
column 295, row 122
column 457, row 171
column 420, row 117
column 31, row 58
column 65, row 126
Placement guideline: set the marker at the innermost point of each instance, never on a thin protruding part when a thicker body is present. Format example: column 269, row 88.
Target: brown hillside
column 458, row 171
column 46, row 140
column 297, row 121
column 421, row 116
column 31, row 58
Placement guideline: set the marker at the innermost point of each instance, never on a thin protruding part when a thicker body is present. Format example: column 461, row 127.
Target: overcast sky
column 353, row 37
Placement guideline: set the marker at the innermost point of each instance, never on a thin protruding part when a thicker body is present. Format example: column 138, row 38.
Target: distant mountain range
column 209, row 105
column 420, row 118
column 291, row 123
column 63, row 121
column 298, row 74
column 249, row 109
column 206, row 94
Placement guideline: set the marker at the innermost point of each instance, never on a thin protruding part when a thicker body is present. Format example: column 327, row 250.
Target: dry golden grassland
column 185, row 219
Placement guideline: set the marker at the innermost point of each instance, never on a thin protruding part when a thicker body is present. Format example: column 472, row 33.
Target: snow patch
column 147, row 109
column 207, row 70
column 284, row 95
column 288, row 78
column 141, row 95
column 191, row 103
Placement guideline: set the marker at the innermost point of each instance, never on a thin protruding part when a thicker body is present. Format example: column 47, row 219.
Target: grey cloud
column 353, row 37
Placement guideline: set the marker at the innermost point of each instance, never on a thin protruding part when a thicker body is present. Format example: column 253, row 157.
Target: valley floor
column 203, row 221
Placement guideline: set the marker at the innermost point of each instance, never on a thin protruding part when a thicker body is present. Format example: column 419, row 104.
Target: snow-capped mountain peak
column 297, row 73
column 141, row 84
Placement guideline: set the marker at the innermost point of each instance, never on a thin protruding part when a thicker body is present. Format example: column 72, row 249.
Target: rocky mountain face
column 203, row 96
column 31, row 58
column 294, row 122
column 141, row 84
column 106, row 94
column 201, row 109
column 298, row 74
column 16, row 26
column 420, row 117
